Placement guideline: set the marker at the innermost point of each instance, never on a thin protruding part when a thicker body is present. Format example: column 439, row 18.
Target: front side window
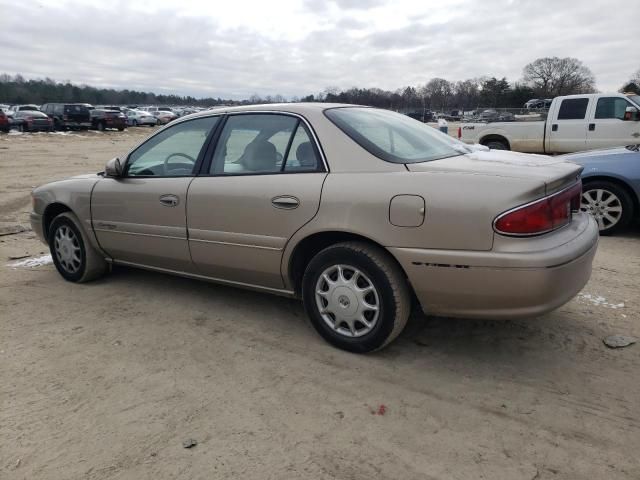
column 172, row 152
column 611, row 107
column 252, row 144
column 394, row 137
column 573, row 109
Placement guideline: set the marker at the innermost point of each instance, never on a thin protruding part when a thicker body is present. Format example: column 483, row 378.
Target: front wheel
column 609, row 204
column 73, row 255
column 356, row 296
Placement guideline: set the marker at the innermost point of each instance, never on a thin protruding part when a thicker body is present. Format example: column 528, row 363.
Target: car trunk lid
column 555, row 172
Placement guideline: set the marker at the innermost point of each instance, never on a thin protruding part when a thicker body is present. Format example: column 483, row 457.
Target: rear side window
column 573, row 109
column 262, row 143
column 611, row 107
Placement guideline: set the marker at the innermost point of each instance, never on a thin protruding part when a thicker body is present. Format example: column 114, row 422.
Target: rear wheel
column 74, row 257
column 496, row 144
column 356, row 296
column 609, row 204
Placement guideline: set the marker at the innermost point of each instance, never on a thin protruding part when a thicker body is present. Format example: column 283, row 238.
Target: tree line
column 543, row 78
column 17, row 89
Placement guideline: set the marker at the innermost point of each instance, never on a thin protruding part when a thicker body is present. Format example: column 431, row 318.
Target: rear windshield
column 75, row 109
column 394, row 137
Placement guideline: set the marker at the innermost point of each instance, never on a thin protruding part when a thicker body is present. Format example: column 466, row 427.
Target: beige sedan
column 356, row 210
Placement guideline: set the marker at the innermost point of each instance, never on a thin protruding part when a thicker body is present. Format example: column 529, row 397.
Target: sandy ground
column 106, row 380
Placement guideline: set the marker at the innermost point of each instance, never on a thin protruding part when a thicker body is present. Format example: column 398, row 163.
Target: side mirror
column 113, row 168
column 632, row 113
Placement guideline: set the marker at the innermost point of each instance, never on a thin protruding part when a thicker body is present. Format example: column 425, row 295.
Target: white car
column 140, row 117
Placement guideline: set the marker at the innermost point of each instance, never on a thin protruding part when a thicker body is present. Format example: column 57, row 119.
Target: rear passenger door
column 262, row 184
column 607, row 124
column 569, row 128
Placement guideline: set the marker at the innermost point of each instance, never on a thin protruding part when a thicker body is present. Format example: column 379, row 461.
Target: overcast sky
column 234, row 48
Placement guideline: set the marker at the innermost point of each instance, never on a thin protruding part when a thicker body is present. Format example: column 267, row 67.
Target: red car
column 5, row 123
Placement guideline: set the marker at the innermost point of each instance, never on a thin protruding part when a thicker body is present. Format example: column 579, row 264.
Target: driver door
column 140, row 217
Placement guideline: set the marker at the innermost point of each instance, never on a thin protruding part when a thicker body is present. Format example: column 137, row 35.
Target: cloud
column 296, row 48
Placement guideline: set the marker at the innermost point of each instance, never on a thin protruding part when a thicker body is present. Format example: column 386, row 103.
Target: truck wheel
column 73, row 255
column 496, row 145
column 609, row 204
column 356, row 296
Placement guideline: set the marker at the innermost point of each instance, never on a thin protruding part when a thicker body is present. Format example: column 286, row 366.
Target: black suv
column 68, row 115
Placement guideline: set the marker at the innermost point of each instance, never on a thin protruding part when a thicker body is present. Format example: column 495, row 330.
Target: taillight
column 65, row 118
column 541, row 216
column 459, row 132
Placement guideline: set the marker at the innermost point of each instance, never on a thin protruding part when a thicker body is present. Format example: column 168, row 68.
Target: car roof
column 298, row 108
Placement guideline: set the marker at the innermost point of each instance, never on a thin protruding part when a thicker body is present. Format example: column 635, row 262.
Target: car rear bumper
column 71, row 124
column 501, row 285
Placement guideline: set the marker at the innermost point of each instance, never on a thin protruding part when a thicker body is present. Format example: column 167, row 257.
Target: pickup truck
column 573, row 123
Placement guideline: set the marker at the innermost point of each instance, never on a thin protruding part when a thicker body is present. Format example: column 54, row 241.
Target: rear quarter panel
column 460, row 208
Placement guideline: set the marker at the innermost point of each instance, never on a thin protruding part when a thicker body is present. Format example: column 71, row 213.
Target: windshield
column 394, row 137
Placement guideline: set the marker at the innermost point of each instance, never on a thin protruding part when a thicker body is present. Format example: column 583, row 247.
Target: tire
column 100, row 126
column 389, row 293
column 134, row 123
column 609, row 203
column 73, row 255
column 121, row 129
column 496, row 145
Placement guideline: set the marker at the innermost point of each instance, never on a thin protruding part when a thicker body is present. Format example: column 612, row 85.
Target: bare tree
column 438, row 90
column 553, row 76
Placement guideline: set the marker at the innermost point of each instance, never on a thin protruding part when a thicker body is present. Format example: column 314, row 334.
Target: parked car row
column 83, row 116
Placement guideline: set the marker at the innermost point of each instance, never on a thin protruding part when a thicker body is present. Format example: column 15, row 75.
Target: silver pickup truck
column 572, row 124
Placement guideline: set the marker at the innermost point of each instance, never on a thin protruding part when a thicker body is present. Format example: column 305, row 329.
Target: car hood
column 503, row 163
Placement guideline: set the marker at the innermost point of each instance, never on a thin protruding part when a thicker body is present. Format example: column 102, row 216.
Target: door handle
column 592, row 127
column 554, row 127
column 286, row 202
column 169, row 200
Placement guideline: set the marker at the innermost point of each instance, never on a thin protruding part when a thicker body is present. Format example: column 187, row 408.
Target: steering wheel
column 165, row 169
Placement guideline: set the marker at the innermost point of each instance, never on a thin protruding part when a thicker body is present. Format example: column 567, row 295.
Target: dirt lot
column 107, row 379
